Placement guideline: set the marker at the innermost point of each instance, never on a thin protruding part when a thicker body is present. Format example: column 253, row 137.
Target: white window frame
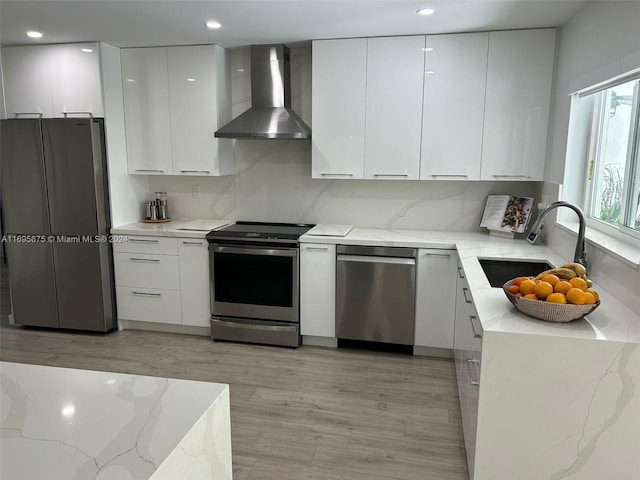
column 621, row 231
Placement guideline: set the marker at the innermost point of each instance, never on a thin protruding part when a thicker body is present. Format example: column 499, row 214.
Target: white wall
column 273, row 180
column 601, row 41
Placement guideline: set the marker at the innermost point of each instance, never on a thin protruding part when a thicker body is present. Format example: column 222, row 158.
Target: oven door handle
column 254, row 326
column 282, row 252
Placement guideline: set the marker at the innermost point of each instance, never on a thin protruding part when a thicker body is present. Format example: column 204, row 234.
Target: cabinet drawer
column 148, row 304
column 144, row 270
column 147, row 244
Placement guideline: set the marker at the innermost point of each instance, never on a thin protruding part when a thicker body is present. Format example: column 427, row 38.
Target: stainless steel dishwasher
column 375, row 294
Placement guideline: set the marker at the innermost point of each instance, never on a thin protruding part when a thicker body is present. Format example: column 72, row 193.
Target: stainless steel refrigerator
column 56, row 222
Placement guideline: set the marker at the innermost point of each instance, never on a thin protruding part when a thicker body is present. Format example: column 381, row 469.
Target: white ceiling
column 127, row 23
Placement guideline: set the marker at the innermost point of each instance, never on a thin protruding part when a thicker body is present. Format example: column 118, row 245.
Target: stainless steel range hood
column 270, row 115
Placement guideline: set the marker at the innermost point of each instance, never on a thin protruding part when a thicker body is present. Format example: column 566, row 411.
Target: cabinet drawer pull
column 471, row 362
column 140, row 240
column 194, row 171
column 192, row 243
column 429, row 254
column 464, row 293
column 511, row 176
column 337, row 174
column 149, row 170
column 317, row 249
column 89, row 114
column 17, row 114
column 145, row 294
column 400, row 175
column 473, row 326
column 150, row 260
column 458, row 175
column 460, row 274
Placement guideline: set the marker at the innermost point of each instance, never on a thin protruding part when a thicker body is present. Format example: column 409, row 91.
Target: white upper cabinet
column 52, row 80
column 338, row 116
column 175, row 99
column 75, row 79
column 519, row 76
column 453, row 106
column 196, row 112
column 145, row 85
column 395, row 71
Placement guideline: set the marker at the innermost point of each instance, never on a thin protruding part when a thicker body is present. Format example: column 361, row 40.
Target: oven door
column 254, row 282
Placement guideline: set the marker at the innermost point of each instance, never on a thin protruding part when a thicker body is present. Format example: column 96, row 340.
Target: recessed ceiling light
column 34, row 34
column 213, row 24
column 86, row 50
column 427, row 49
column 241, row 69
column 426, row 11
column 191, row 79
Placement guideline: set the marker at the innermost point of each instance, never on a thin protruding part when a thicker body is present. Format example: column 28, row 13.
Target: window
column 612, row 194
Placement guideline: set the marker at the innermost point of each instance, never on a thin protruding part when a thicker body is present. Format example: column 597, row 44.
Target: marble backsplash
column 273, row 180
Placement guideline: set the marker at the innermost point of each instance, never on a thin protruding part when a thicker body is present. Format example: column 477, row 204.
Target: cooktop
column 261, row 231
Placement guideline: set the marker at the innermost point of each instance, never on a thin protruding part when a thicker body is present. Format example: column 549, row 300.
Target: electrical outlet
column 195, row 191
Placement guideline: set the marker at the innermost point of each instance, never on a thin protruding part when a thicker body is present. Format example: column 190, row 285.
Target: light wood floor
column 306, row 413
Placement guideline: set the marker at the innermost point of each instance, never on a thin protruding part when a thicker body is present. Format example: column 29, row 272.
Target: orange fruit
column 562, row 286
column 513, row 289
column 550, row 278
column 543, row 290
column 589, row 299
column 531, row 296
column 519, row 280
column 519, row 294
column 527, row 286
column 594, row 293
column 578, row 282
column 575, row 296
column 557, row 298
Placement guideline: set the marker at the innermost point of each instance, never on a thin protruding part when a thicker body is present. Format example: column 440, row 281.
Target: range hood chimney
column 270, row 115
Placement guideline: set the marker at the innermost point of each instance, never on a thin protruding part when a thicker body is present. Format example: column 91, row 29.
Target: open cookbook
column 507, row 214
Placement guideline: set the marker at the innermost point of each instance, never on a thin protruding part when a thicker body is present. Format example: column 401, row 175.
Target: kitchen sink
column 499, row 271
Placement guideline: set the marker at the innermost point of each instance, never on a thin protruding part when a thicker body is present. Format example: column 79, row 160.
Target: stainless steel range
column 254, row 268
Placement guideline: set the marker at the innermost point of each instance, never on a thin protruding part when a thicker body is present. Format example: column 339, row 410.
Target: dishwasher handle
column 372, row 259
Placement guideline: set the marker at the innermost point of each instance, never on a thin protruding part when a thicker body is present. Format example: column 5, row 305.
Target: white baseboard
column 432, row 351
column 320, row 341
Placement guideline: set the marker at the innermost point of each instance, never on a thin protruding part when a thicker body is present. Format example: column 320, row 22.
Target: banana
column 576, row 267
column 561, row 272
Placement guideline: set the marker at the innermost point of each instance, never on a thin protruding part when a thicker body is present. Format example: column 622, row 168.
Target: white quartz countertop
column 174, row 228
column 611, row 321
column 61, row 423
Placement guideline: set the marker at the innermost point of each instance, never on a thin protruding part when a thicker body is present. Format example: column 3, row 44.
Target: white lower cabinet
column 317, row 289
column 146, row 270
column 148, row 304
column 163, row 280
column 435, row 298
column 194, row 281
column 467, row 351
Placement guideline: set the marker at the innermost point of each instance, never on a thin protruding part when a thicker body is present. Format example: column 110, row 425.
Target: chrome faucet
column 580, row 255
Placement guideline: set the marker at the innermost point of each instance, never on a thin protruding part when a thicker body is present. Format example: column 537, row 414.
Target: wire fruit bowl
column 548, row 311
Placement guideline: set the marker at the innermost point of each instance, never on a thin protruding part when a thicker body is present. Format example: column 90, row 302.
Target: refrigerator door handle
column 89, row 114
column 17, row 114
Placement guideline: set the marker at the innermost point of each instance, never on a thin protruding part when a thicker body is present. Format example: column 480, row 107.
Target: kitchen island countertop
column 61, row 423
